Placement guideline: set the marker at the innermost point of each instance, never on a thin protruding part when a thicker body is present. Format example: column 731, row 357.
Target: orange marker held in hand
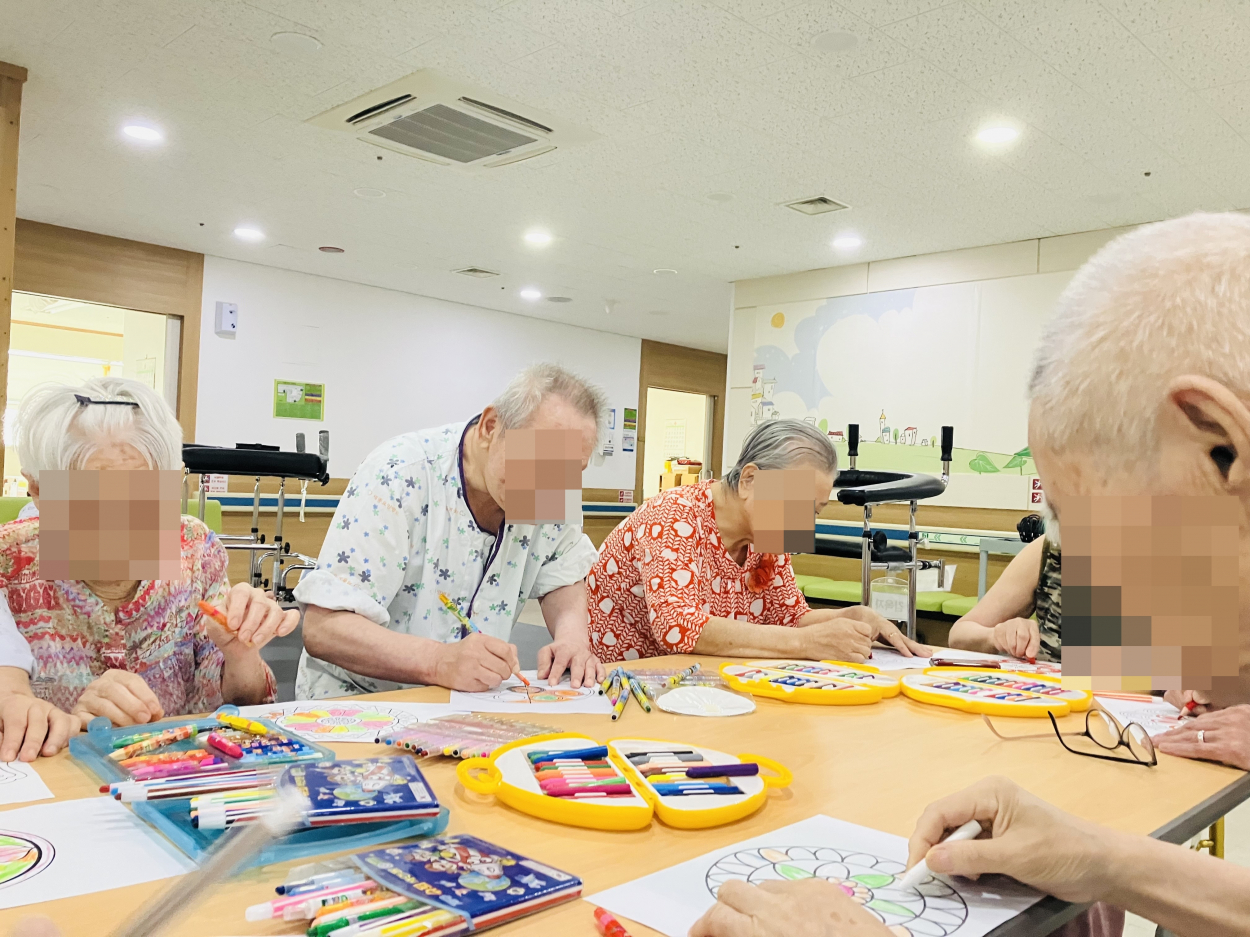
column 218, row 616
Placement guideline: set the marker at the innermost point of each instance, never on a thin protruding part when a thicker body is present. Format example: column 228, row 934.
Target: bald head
column 1165, row 300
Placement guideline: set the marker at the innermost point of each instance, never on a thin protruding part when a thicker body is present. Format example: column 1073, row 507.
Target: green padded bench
column 9, row 508
column 958, row 606
column 842, row 590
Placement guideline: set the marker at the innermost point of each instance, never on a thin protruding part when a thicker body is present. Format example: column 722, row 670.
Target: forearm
column 244, row 680
column 353, row 642
column 724, row 637
column 969, row 635
column 566, row 615
column 1182, row 890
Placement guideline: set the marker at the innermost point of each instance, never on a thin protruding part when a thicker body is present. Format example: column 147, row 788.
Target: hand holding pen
column 478, row 661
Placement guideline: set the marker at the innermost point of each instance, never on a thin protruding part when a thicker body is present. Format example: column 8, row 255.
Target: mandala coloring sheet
column 77, row 847
column 512, row 696
column 20, row 783
column 864, row 863
column 345, row 720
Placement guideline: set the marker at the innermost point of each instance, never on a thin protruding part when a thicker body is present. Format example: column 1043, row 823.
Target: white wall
column 391, row 362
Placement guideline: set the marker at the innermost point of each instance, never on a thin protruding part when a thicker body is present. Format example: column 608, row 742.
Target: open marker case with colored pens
column 172, row 816
column 824, row 682
column 512, row 775
column 995, row 692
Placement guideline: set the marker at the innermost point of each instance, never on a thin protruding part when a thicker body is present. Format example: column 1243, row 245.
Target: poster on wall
column 627, row 441
column 630, row 420
column 296, row 400
column 902, row 364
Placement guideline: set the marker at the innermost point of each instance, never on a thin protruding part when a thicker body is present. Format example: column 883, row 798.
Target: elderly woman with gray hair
column 132, row 650
column 704, row 569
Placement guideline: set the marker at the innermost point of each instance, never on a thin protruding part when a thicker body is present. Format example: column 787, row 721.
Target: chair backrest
column 9, row 508
column 212, row 513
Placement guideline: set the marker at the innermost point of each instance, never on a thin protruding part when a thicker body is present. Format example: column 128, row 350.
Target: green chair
column 833, row 590
column 959, row 605
column 212, row 513
column 9, row 508
column 803, row 581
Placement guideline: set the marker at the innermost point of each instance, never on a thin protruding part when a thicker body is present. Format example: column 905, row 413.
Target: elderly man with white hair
column 132, row 650
column 424, row 516
column 1141, row 387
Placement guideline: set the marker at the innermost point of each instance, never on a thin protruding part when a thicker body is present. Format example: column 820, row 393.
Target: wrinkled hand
column 1180, row 698
column 120, row 695
column 1225, row 734
column 30, row 727
column 810, row 907
column 886, row 631
column 845, row 639
column 1017, row 637
column 583, row 666
column 254, row 619
column 479, row 662
column 1033, row 842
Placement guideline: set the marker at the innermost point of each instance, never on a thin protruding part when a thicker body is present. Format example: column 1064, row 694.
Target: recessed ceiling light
column 664, row 271
column 330, row 250
column 143, row 133
column 295, row 43
column 531, row 294
column 836, row 41
column 537, row 237
column 847, row 242
column 366, row 192
column 245, row 233
column 997, row 134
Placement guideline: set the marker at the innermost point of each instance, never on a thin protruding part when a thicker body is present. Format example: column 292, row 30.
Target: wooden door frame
column 691, row 371
column 96, row 268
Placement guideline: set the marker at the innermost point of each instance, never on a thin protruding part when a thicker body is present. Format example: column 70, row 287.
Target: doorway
column 678, row 425
column 67, row 341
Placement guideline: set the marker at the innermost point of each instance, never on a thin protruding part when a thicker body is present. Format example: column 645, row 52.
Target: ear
column 746, row 480
column 1205, row 413
column 32, row 489
column 489, row 425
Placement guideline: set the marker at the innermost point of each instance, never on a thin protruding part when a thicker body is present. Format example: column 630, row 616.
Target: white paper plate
column 704, row 701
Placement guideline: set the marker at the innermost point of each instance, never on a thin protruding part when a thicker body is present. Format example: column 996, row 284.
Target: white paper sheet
column 1155, row 716
column 21, row 783
column 345, row 720
column 865, row 862
column 77, row 847
column 886, row 658
column 511, row 696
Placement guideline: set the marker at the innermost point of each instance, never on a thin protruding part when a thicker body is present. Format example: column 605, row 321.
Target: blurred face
column 535, row 472
column 115, row 519
column 1154, row 569
column 781, row 506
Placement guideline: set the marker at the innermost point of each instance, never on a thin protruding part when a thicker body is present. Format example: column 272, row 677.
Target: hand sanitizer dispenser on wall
column 226, row 319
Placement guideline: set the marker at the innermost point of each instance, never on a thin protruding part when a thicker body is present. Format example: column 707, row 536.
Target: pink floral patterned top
column 159, row 634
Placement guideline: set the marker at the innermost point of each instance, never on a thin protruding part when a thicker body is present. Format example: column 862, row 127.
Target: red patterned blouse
column 663, row 572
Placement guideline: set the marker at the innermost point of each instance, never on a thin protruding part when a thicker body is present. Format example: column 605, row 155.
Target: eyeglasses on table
column 1103, row 731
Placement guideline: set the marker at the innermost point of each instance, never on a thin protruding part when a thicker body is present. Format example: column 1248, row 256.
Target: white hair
column 56, row 431
column 782, row 444
column 1165, row 300
column 528, row 389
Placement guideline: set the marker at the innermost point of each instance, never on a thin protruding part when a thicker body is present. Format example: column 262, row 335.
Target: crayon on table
column 607, row 925
column 619, row 706
column 636, row 688
column 242, row 724
column 168, row 737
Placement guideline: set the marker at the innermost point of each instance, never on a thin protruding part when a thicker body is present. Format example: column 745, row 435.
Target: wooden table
column 877, row 765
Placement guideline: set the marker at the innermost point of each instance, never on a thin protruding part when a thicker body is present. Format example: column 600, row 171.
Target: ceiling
column 709, row 115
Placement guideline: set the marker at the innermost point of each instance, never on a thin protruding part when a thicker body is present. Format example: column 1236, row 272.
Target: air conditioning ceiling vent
column 816, row 206
column 439, row 120
column 477, row 272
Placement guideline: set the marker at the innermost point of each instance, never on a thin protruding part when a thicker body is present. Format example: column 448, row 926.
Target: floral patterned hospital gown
column 403, row 533
column 663, row 572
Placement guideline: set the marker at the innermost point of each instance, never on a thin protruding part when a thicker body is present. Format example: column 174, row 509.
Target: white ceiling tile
column 1146, row 16
column 882, row 12
column 752, row 10
column 1206, row 53
column 1232, row 102
column 921, row 87
column 798, row 26
column 961, row 41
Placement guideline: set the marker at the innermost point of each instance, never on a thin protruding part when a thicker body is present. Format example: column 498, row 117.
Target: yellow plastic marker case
column 918, row 687
column 700, row 811
column 854, row 685
column 506, row 774
column 509, row 778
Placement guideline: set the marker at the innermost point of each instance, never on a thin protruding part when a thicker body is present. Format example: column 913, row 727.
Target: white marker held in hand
column 920, row 871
